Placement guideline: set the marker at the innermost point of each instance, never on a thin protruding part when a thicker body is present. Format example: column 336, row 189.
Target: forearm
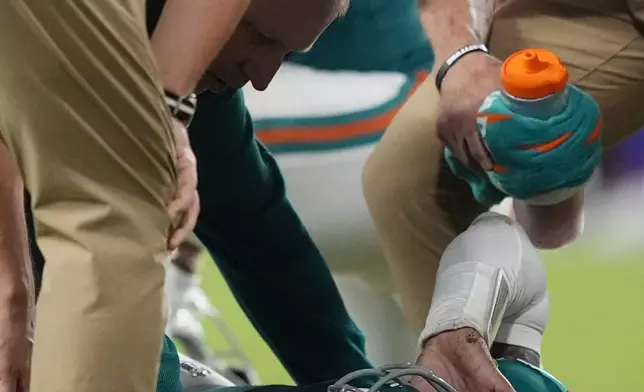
column 452, row 24
column 189, row 36
column 553, row 226
column 16, row 275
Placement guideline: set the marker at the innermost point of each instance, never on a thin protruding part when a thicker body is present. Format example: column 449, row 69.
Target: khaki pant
column 85, row 120
column 418, row 206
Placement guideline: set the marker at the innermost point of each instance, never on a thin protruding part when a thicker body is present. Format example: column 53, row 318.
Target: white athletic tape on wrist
column 473, row 295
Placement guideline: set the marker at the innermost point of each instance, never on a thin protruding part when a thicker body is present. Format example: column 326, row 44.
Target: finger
column 187, row 173
column 186, row 165
column 448, row 128
column 478, row 151
column 455, row 145
column 179, row 236
column 460, row 151
column 421, row 385
column 192, row 213
column 187, row 225
column 178, row 205
column 498, row 383
column 491, row 379
column 24, row 384
column 180, row 134
column 190, row 218
column 183, row 198
column 427, row 360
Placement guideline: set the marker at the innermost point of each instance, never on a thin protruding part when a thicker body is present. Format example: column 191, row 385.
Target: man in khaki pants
column 84, row 123
column 417, row 204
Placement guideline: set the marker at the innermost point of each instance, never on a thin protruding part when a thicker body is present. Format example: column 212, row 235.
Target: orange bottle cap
column 533, row 73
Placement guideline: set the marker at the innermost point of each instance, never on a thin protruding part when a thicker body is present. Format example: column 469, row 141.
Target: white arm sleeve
column 491, row 279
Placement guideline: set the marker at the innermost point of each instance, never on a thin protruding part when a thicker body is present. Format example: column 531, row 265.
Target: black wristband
column 181, row 108
column 453, row 59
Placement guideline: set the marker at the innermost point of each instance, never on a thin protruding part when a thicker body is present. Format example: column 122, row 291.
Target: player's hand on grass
column 15, row 346
column 185, row 206
column 462, row 359
column 464, row 88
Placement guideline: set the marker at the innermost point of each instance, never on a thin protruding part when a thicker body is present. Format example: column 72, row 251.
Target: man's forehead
column 295, row 23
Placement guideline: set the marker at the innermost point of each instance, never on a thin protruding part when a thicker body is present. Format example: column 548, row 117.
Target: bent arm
column 491, row 279
column 16, row 276
column 189, row 35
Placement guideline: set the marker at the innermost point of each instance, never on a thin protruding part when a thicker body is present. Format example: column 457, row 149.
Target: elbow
column 555, row 237
column 554, row 226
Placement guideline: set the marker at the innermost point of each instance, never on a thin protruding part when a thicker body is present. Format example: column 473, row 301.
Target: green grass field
column 594, row 343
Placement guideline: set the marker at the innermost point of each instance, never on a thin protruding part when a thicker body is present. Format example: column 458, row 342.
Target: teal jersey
column 374, row 35
column 527, row 378
column 169, row 368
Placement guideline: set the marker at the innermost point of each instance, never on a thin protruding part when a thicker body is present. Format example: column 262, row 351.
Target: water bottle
column 542, row 133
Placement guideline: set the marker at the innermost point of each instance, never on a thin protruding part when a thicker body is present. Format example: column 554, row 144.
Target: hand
column 185, row 205
column 462, row 359
column 15, row 347
column 464, row 88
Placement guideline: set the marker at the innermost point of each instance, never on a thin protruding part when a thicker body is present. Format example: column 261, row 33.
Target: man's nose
column 262, row 71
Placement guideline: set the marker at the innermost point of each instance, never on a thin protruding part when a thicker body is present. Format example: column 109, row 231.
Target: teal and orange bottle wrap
column 533, row 154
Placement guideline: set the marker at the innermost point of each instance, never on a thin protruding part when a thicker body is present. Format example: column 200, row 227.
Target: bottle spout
column 532, row 62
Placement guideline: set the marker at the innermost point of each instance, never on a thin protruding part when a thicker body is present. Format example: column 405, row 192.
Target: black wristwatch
column 182, row 108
